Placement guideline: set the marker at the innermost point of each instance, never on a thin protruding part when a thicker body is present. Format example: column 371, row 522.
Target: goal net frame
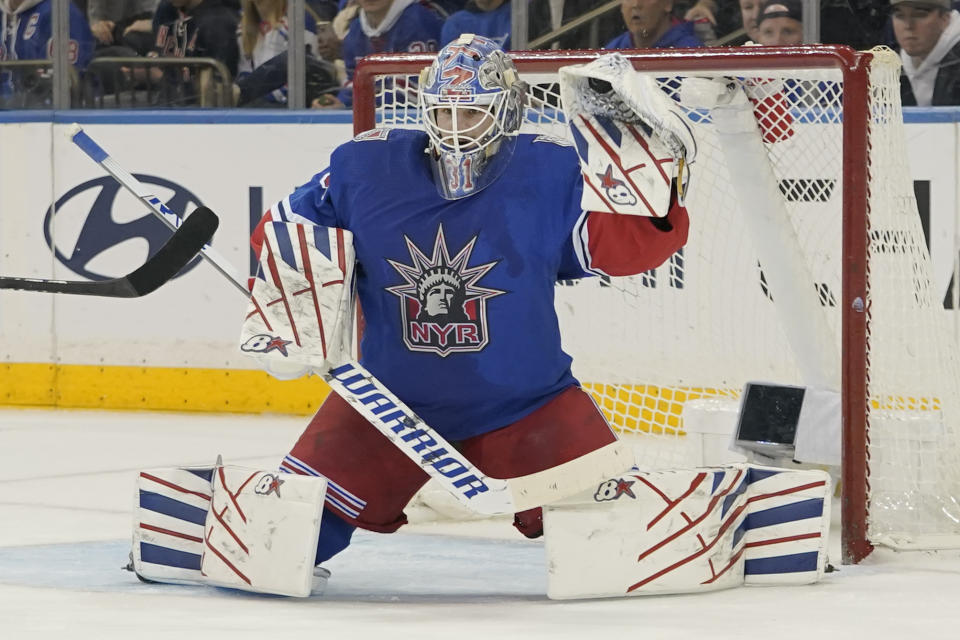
column 853, row 301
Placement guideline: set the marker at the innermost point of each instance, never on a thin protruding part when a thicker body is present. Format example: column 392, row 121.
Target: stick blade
column 189, row 239
column 117, row 288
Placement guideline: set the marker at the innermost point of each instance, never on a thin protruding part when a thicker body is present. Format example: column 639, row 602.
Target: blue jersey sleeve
column 572, row 258
column 568, row 215
column 311, row 203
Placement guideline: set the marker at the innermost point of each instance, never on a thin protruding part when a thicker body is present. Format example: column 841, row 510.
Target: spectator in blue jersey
column 651, row 25
column 26, row 29
column 489, row 18
column 383, row 26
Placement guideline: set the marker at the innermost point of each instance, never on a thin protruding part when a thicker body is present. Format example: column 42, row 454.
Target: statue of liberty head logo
column 442, row 306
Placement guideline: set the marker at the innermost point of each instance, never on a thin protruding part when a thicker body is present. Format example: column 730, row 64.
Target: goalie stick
column 96, row 153
column 187, row 240
column 407, row 431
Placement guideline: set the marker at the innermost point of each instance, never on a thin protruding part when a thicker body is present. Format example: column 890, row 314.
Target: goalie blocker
column 301, row 311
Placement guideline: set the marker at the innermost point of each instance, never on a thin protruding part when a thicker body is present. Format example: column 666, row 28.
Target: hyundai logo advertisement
column 104, row 226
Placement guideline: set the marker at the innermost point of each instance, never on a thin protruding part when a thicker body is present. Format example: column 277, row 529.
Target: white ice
column 66, row 491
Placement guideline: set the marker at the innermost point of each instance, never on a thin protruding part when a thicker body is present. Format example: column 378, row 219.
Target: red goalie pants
column 371, row 481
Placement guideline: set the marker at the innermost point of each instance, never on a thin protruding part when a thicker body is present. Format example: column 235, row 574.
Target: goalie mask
column 472, row 105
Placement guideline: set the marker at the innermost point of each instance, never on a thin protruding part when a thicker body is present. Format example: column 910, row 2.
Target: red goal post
column 832, row 131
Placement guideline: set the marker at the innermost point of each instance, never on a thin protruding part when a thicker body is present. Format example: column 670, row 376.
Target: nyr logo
column 99, row 233
column 442, row 307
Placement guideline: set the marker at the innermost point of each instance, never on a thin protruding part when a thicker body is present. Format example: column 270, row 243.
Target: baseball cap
column 781, row 9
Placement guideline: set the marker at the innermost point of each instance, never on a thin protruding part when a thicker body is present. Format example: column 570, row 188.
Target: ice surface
column 66, row 490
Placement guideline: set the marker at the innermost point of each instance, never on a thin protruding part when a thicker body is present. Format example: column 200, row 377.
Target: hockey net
column 856, row 312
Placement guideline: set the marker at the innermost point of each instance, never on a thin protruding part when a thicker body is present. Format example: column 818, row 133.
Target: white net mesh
column 711, row 319
column 914, row 372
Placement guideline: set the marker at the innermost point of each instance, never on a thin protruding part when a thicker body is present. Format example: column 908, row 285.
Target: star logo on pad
column 607, row 181
column 269, row 483
column 623, row 487
column 279, row 344
column 616, row 190
column 265, row 343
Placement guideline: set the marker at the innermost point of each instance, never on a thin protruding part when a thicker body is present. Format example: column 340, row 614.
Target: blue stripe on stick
column 174, row 508
column 793, row 563
column 155, row 554
column 90, row 147
column 155, row 201
column 285, row 245
column 812, row 508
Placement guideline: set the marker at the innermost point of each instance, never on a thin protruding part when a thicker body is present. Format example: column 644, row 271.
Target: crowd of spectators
column 249, row 39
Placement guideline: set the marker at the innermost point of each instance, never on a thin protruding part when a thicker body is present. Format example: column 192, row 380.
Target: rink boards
column 62, row 217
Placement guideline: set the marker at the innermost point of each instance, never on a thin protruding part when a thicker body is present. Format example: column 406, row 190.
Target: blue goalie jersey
column 458, row 295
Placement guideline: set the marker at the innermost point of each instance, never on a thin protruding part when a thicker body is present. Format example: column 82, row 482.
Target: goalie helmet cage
column 806, row 264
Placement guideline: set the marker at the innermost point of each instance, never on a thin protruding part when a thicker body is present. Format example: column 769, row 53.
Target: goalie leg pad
column 688, row 531
column 170, row 510
column 262, row 530
column 229, row 526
